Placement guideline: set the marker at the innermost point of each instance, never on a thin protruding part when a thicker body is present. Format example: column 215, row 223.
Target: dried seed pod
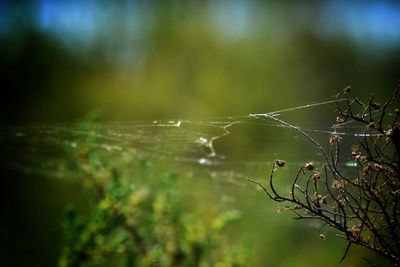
column 315, row 176
column 389, row 132
column 339, row 120
column 319, row 199
column 335, row 138
column 309, row 166
column 378, row 167
column 339, row 184
column 366, row 170
column 347, row 89
column 355, row 232
column 280, row 163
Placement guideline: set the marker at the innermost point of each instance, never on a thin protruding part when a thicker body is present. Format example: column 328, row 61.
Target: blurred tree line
column 183, row 59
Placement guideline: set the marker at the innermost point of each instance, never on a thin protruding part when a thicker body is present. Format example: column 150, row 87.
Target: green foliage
column 143, row 226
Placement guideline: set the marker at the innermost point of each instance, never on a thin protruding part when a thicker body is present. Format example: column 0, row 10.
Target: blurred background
column 141, row 60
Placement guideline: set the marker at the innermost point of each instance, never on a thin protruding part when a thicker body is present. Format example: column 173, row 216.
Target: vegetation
column 134, row 224
column 364, row 206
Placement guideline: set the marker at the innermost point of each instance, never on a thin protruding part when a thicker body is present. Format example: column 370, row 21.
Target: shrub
column 363, row 206
column 137, row 225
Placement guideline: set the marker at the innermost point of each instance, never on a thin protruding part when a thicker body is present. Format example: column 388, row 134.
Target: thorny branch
column 365, row 205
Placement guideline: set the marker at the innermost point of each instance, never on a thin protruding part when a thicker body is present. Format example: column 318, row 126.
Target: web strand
column 183, row 140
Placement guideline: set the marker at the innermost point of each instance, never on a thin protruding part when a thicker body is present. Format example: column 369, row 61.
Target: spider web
column 229, row 148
